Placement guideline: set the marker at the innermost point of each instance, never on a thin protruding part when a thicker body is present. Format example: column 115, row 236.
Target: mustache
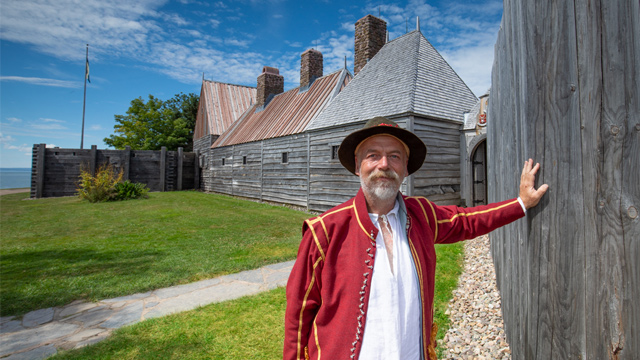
column 390, row 174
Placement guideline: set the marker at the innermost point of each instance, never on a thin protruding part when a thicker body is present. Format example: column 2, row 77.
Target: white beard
column 381, row 192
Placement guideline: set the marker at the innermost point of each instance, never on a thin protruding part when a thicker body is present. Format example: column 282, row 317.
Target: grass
column 58, row 250
column 247, row 328
column 54, row 251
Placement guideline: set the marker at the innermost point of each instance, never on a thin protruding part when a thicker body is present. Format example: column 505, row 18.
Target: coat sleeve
column 303, row 295
column 456, row 223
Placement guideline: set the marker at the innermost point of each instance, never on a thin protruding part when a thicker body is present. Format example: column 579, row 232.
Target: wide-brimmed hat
column 382, row 126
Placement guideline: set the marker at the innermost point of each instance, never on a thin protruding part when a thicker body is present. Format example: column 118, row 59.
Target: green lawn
column 54, row 251
column 58, row 250
column 247, row 328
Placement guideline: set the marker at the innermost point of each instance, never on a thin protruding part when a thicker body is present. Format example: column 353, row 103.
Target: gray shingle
column 407, row 75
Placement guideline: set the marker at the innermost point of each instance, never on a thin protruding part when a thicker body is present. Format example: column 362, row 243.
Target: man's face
column 381, row 164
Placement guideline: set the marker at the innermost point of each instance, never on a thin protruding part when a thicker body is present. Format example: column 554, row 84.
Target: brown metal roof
column 287, row 113
column 220, row 105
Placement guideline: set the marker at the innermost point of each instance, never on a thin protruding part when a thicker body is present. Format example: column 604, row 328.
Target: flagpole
column 84, row 101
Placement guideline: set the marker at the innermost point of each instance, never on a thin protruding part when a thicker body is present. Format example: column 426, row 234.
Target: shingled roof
column 220, row 105
column 407, row 76
column 287, row 113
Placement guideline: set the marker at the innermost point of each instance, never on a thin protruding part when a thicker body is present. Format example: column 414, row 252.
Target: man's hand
column 529, row 195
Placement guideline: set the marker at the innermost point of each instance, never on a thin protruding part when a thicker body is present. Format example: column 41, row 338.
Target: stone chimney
column 310, row 67
column 270, row 82
column 371, row 35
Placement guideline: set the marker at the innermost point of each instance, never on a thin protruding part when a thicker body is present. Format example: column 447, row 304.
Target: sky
column 163, row 48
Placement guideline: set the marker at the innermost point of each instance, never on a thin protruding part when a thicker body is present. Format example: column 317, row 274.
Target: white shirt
column 392, row 327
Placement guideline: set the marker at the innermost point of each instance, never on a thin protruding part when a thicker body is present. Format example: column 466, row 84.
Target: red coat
column 328, row 289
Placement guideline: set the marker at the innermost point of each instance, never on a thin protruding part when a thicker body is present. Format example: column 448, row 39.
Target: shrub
column 128, row 190
column 100, row 187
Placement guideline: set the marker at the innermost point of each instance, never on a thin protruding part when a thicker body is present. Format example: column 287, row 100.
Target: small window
column 285, row 157
column 244, row 160
column 222, row 161
column 334, row 152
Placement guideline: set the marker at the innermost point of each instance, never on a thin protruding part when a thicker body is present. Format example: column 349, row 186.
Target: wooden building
column 284, row 148
column 566, row 92
column 264, row 154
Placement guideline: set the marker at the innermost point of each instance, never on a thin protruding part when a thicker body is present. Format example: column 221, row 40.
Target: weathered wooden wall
column 312, row 179
column 56, row 172
column 330, row 183
column 439, row 178
column 565, row 88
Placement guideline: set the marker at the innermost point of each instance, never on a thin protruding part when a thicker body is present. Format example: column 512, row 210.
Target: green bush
column 128, row 190
column 107, row 185
column 101, row 187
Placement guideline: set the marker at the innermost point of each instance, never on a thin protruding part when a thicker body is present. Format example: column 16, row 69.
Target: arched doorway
column 479, row 174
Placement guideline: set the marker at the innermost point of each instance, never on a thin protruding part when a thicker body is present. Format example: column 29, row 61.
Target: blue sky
column 159, row 47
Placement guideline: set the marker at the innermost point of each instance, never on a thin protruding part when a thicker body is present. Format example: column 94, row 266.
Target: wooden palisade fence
column 56, row 172
column 565, row 86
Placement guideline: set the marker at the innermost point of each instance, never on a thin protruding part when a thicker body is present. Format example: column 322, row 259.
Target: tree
column 153, row 124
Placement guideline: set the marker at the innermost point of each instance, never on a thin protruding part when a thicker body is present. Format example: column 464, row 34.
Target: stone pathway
column 42, row 332
column 476, row 330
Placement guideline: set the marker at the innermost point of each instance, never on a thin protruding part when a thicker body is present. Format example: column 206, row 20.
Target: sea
column 14, row 178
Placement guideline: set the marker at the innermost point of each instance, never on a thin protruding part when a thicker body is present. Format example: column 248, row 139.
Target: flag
column 86, row 71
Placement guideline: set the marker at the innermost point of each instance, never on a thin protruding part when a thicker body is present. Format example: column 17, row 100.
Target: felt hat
column 382, row 126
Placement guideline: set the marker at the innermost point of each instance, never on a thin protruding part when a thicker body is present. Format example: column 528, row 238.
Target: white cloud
column 14, row 120
column 43, row 81
column 7, row 141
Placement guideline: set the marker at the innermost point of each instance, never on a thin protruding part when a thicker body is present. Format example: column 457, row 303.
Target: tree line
column 152, row 124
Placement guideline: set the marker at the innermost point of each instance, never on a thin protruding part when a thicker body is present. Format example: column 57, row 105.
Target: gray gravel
column 476, row 330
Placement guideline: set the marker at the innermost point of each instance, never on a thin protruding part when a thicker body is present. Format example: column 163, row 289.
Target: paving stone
column 93, row 340
column 5, row 319
column 11, row 326
column 128, row 298
column 277, row 279
column 281, row 266
column 202, row 297
column 85, row 334
column 41, row 352
column 128, row 315
column 31, row 337
column 252, row 276
column 37, row 317
column 76, row 308
column 184, row 289
column 92, row 317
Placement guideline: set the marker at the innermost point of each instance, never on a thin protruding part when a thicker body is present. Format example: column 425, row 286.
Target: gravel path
column 476, row 330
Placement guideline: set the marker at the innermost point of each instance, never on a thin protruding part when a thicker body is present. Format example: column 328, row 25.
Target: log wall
column 565, row 86
column 56, row 172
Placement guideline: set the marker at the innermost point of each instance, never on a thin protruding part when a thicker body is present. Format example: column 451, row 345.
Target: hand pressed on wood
column 529, row 195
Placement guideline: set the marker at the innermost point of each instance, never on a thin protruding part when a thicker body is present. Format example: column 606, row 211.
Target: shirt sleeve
column 303, row 295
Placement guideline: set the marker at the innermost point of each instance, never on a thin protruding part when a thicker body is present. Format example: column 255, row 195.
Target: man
column 363, row 282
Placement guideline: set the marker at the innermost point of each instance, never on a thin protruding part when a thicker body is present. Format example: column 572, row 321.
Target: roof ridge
column 225, row 83
column 454, row 70
column 416, row 72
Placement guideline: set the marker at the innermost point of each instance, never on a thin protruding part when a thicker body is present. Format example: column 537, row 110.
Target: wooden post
column 163, row 167
column 196, row 169
column 93, row 160
column 127, row 163
column 180, row 163
column 42, row 148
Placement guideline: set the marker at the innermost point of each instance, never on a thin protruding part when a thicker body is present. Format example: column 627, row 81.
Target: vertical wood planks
column 565, row 88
